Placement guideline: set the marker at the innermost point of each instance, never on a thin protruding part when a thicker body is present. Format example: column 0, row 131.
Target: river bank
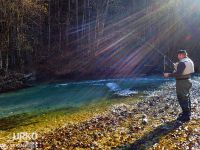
column 149, row 124
column 145, row 124
column 13, row 81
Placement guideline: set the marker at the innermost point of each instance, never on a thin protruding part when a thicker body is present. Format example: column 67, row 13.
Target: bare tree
column 49, row 25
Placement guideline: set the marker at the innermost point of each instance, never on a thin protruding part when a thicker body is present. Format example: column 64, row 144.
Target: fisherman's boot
column 186, row 111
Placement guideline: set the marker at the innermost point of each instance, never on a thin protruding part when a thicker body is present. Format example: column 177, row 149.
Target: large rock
column 15, row 81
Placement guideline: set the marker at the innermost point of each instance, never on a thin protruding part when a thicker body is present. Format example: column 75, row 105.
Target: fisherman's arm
column 180, row 68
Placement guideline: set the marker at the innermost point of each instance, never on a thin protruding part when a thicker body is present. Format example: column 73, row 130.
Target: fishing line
column 159, row 52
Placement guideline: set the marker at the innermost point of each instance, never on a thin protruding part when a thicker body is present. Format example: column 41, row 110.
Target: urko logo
column 25, row 136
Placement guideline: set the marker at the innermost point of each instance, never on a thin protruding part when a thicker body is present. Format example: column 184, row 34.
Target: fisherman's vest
column 189, row 66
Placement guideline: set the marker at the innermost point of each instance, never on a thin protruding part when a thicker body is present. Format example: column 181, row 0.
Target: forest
column 74, row 39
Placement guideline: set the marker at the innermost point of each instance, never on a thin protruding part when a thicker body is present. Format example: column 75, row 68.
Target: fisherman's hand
column 175, row 65
column 166, row 75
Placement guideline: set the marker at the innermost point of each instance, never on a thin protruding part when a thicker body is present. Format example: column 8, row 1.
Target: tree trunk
column 6, row 62
column 1, row 60
column 77, row 22
column 49, row 26
column 60, row 26
column 89, row 29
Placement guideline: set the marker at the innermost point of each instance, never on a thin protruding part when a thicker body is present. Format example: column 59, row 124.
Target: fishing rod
column 164, row 68
column 159, row 52
column 164, row 57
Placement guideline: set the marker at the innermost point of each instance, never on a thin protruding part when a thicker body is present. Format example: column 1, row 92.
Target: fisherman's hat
column 182, row 52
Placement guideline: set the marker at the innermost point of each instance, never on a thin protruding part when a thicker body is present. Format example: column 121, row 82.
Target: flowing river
column 47, row 97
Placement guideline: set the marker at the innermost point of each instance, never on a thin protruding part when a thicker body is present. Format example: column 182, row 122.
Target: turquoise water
column 73, row 94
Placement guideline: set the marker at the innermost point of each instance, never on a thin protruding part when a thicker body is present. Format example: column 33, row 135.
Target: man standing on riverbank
column 182, row 73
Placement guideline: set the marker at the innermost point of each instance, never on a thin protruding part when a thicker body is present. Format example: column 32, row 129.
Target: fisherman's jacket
column 185, row 68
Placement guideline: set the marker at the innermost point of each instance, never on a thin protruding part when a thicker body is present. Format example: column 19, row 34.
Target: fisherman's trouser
column 183, row 94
